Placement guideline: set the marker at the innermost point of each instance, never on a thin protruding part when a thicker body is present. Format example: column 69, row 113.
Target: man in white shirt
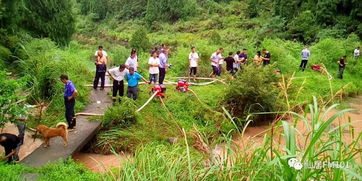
column 132, row 61
column 236, row 64
column 153, row 64
column 193, row 60
column 305, row 57
column 216, row 58
column 118, row 74
column 357, row 53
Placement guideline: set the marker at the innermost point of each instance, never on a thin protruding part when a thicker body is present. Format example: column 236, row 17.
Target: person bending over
column 118, row 74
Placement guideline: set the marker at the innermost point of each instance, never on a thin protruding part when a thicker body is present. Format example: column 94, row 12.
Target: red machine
column 182, row 85
column 160, row 89
column 316, row 68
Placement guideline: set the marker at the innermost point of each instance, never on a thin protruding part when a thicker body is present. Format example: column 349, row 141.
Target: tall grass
column 323, row 142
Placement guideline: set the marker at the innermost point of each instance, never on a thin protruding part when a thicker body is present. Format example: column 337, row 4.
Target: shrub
column 140, row 40
column 254, row 90
column 67, row 170
column 8, row 92
column 4, row 53
column 215, row 38
column 122, row 115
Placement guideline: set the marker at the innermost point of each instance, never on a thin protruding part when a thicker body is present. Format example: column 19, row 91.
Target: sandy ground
column 100, row 163
column 28, row 147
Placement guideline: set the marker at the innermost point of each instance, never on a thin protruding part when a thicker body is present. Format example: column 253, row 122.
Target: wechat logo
column 295, row 163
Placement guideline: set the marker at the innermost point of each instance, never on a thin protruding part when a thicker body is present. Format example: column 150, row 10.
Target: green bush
column 11, row 172
column 254, row 90
column 8, row 91
column 140, row 40
column 122, row 115
column 66, row 170
column 4, row 53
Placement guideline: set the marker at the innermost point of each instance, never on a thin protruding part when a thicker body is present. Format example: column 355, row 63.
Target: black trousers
column 266, row 62
column 132, row 92
column 303, row 64
column 118, row 86
column 193, row 70
column 340, row 72
column 7, row 152
column 162, row 75
column 69, row 112
column 102, row 76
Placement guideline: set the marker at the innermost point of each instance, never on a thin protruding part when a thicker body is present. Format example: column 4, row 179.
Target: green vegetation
column 41, row 40
column 63, row 170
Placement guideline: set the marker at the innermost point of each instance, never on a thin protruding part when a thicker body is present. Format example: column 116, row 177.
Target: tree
column 303, row 27
column 170, row 10
column 50, row 18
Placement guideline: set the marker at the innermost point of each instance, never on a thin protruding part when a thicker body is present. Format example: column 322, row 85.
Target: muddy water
column 253, row 137
column 100, row 163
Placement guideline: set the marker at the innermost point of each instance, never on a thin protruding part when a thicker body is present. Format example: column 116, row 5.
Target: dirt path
column 85, row 130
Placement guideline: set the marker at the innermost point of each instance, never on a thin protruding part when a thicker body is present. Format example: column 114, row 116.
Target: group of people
column 341, row 62
column 235, row 62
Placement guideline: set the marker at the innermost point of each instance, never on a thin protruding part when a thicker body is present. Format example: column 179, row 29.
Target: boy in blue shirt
column 132, row 79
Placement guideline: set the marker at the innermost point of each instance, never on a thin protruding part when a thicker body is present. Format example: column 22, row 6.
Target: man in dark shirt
column 243, row 56
column 69, row 101
column 266, row 57
column 229, row 63
column 9, row 142
column 342, row 66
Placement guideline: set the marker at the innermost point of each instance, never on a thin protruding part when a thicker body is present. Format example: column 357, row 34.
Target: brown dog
column 60, row 130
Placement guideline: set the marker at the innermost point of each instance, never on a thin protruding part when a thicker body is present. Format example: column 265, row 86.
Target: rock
column 172, row 140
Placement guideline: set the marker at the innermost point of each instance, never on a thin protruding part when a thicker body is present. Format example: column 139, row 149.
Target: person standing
column 216, row 58
column 258, row 59
column 163, row 65
column 118, row 74
column 10, row 142
column 100, row 49
column 266, row 57
column 132, row 79
column 100, row 71
column 154, row 63
column 357, row 53
column 243, row 57
column 236, row 64
column 193, row 62
column 342, row 65
column 70, row 92
column 229, row 63
column 132, row 60
column 305, row 56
